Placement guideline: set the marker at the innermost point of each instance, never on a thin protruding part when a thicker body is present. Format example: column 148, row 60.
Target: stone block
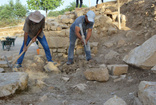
column 54, row 50
column 61, row 50
column 98, row 74
column 1, row 70
column 42, row 52
column 94, row 44
column 59, row 28
column 61, row 33
column 60, row 54
column 3, row 64
column 118, row 69
column 58, row 42
column 53, row 28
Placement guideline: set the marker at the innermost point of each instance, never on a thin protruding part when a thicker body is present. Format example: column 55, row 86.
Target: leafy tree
column 44, row 4
column 6, row 12
column 19, row 9
column 10, row 13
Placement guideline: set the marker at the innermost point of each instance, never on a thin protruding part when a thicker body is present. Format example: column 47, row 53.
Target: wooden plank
column 119, row 14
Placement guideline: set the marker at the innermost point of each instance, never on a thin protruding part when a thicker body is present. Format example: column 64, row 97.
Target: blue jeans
column 73, row 38
column 43, row 42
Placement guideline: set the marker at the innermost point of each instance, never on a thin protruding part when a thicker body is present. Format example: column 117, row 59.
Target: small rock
column 130, row 80
column 117, row 80
column 38, row 58
column 1, row 70
column 122, row 76
column 102, row 66
column 80, row 86
column 114, row 77
column 65, row 79
column 43, row 98
column 154, row 69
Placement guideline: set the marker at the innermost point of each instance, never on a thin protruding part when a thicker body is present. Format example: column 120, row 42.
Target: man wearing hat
column 33, row 28
column 87, row 22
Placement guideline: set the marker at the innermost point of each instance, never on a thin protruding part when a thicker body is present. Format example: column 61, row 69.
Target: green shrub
column 12, row 14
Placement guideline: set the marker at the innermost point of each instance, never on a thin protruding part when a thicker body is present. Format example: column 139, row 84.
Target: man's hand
column 25, row 48
column 34, row 39
column 83, row 42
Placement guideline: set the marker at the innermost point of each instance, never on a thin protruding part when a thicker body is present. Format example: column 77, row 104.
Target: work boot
column 69, row 62
column 17, row 66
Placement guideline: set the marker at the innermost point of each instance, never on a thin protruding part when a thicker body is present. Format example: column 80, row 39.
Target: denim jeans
column 43, row 42
column 73, row 38
column 77, row 3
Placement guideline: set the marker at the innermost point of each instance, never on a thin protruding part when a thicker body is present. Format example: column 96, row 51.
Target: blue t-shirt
column 81, row 20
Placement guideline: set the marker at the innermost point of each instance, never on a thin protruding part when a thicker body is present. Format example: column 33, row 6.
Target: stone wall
column 57, row 30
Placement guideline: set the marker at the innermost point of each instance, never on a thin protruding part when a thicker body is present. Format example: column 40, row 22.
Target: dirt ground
column 50, row 89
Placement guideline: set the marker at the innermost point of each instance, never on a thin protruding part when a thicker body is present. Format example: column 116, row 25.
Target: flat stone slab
column 10, row 82
column 1, row 70
column 3, row 64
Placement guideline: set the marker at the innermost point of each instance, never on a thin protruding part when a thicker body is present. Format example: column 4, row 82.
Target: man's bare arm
column 77, row 32
column 89, row 33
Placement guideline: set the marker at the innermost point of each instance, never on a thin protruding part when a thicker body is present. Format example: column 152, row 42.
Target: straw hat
column 36, row 16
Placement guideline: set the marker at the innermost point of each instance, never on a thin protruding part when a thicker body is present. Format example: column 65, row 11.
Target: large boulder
column 143, row 56
column 10, row 82
column 147, row 92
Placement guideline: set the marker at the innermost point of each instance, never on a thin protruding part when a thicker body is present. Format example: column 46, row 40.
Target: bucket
column 38, row 51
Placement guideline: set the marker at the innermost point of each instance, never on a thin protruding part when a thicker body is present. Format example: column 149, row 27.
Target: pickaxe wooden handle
column 20, row 55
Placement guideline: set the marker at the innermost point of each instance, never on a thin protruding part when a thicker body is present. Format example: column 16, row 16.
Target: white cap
column 91, row 16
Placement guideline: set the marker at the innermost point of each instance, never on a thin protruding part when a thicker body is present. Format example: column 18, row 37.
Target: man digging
column 33, row 28
column 87, row 22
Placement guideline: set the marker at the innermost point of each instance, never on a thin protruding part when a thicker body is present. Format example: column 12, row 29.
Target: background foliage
column 12, row 13
column 70, row 7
